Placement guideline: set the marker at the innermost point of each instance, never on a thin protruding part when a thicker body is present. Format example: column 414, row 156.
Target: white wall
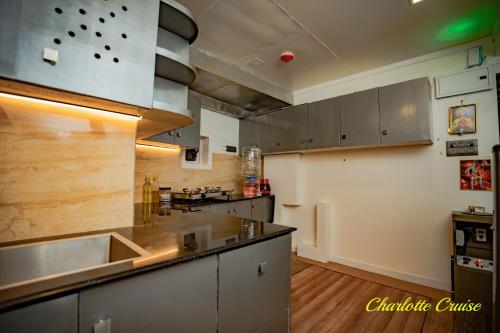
column 221, row 129
column 391, row 207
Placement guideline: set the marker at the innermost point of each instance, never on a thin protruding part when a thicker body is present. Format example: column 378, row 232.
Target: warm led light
column 155, row 147
column 100, row 112
column 412, row 2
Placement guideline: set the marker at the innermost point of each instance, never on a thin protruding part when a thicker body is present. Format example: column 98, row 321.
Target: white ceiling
column 332, row 38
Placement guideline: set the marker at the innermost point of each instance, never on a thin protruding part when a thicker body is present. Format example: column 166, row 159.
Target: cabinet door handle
column 103, row 326
column 311, row 140
column 262, row 268
column 344, row 136
column 278, row 144
column 178, row 134
column 229, row 211
column 170, row 133
column 384, row 132
column 303, row 141
column 234, row 210
column 253, row 206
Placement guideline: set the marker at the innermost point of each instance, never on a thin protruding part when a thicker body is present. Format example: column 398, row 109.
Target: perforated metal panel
column 105, row 48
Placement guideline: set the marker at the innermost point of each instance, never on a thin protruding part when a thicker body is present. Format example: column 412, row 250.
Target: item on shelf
column 251, row 187
column 155, row 188
column 476, row 209
column 165, row 194
column 147, row 191
column 265, row 187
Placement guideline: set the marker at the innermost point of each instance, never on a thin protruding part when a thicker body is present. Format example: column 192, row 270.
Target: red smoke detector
column 287, row 56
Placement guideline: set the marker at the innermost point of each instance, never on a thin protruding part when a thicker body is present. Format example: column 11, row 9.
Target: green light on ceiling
column 471, row 25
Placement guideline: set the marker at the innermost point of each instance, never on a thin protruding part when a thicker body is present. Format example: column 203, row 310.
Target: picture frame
column 462, row 119
column 475, row 174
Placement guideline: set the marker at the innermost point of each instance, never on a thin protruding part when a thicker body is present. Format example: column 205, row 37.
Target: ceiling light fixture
column 99, row 112
column 414, row 2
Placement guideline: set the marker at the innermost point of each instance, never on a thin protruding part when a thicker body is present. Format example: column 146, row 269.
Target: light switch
column 50, row 55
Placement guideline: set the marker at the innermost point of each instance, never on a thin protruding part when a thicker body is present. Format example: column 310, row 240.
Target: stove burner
column 198, row 193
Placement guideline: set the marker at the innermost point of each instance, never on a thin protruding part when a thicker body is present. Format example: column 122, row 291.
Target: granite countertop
column 169, row 236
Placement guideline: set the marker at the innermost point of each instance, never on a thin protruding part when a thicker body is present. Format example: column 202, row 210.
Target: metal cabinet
column 58, row 315
column 241, row 209
column 268, row 130
column 254, row 285
column 293, row 128
column 188, row 136
column 182, row 298
column 359, row 118
column 405, row 112
column 323, row 124
column 263, row 209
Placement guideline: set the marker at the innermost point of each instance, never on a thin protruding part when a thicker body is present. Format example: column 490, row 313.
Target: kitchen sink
column 20, row 264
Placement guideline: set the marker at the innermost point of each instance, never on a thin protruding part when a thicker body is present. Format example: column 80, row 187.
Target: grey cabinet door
column 293, row 128
column 189, row 136
column 359, row 118
column 323, row 124
column 247, row 134
column 241, row 209
column 182, row 298
column 254, row 285
column 268, row 131
column 405, row 112
column 58, row 315
column 263, row 209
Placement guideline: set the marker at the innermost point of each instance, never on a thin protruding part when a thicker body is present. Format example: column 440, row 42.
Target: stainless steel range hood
column 228, row 97
column 242, row 93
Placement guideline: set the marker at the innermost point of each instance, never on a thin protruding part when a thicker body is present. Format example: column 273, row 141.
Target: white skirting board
column 423, row 280
column 321, row 251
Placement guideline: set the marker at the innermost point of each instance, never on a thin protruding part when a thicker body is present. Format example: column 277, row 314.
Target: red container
column 265, row 188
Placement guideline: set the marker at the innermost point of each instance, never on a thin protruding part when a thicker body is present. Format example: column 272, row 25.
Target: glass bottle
column 155, row 187
column 147, row 191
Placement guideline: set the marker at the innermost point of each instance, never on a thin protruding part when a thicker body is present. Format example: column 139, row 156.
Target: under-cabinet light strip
column 100, row 112
column 155, row 147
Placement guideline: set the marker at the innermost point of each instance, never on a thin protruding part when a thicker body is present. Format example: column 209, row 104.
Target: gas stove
column 200, row 194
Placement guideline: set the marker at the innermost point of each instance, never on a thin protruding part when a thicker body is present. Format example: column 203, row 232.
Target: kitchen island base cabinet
column 182, row 298
column 254, row 287
column 58, row 315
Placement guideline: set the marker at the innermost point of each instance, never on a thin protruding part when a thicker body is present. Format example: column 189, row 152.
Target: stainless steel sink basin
column 26, row 263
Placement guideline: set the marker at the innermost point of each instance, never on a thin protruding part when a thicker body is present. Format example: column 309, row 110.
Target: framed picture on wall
column 462, row 119
column 475, row 175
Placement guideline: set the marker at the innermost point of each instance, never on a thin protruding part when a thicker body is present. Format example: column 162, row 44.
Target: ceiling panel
column 363, row 34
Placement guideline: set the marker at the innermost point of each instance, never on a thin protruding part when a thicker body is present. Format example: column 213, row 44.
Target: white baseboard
column 423, row 280
column 311, row 252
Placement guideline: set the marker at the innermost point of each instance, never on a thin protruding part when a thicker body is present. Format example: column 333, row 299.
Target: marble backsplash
column 166, row 165
column 63, row 170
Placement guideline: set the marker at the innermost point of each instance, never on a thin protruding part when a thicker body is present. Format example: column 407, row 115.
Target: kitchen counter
column 169, row 236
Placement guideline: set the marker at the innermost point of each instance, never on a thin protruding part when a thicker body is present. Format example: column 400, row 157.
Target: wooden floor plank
column 324, row 300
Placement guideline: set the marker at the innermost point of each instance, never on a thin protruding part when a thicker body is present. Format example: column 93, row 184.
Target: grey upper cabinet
column 58, row 315
column 268, row 131
column 359, row 118
column 254, row 287
column 323, row 124
column 182, row 298
column 189, row 136
column 293, row 128
column 405, row 112
column 247, row 134
column 124, row 73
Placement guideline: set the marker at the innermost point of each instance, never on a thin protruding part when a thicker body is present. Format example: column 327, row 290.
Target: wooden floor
column 324, row 300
